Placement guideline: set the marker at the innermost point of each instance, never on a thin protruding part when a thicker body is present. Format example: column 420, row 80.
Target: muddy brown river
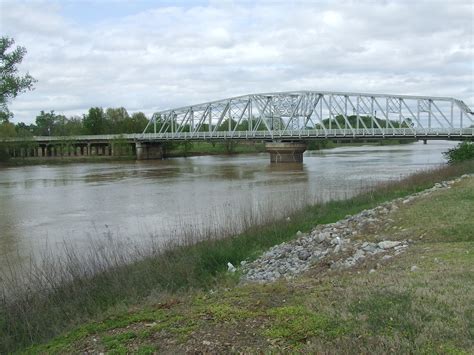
column 44, row 207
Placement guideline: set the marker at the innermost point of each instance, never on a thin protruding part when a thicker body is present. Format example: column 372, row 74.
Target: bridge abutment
column 285, row 152
column 145, row 151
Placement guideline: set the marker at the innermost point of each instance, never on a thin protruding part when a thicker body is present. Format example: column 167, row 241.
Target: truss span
column 314, row 114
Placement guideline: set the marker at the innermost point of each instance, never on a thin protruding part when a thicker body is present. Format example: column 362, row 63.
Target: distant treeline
column 119, row 121
column 364, row 122
column 96, row 121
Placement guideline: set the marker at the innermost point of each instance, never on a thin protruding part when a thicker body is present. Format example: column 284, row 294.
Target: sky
column 153, row 55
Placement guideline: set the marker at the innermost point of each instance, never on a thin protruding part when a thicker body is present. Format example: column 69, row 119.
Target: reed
column 55, row 293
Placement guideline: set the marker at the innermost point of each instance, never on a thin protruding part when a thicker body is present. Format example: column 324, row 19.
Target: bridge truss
column 314, row 114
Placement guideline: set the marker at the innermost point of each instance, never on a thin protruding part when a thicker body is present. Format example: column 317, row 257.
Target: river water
column 44, row 207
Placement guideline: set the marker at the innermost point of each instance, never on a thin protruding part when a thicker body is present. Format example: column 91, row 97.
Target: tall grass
column 53, row 294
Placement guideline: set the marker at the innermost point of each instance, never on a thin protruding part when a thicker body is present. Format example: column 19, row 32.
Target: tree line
column 119, row 121
column 95, row 121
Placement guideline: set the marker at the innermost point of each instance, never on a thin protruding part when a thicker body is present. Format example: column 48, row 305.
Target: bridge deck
column 293, row 135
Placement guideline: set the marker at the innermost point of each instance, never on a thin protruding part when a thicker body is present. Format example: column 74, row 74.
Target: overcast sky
column 151, row 55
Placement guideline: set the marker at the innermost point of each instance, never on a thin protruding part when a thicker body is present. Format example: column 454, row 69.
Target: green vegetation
column 463, row 151
column 64, row 293
column 363, row 122
column 11, row 84
column 214, row 148
column 393, row 309
column 121, row 148
column 329, row 144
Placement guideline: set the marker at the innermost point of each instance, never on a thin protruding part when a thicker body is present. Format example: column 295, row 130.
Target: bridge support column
column 146, row 151
column 285, row 152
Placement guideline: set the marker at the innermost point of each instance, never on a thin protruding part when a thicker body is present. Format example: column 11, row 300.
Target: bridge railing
column 315, row 133
column 365, row 133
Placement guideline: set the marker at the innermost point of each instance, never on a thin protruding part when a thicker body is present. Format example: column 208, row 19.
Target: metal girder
column 295, row 113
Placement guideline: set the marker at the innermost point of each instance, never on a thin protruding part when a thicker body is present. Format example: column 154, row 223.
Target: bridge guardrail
column 411, row 132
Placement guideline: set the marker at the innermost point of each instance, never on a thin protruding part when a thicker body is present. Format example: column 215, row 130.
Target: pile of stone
column 335, row 244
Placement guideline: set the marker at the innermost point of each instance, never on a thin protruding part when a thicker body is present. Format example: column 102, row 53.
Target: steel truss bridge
column 306, row 115
column 283, row 120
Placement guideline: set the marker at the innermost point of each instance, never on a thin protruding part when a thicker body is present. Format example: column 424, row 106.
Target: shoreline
column 258, row 148
column 196, row 266
column 340, row 245
column 297, row 313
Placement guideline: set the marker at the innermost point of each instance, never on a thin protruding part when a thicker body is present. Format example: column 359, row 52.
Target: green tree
column 224, row 126
column 47, row 123
column 73, row 126
column 23, row 127
column 11, row 83
column 118, row 120
column 95, row 122
column 463, row 151
column 139, row 122
column 7, row 130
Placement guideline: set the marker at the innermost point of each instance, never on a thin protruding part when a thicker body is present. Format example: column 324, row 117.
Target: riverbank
column 232, row 147
column 63, row 160
column 418, row 300
column 190, row 149
column 38, row 316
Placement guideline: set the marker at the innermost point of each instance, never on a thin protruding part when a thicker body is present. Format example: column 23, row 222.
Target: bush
column 463, row 151
column 4, row 155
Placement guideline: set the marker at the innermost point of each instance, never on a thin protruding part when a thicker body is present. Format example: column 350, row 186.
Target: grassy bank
column 396, row 309
column 234, row 147
column 112, row 284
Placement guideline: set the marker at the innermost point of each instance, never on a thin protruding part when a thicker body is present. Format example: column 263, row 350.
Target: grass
column 353, row 311
column 297, row 323
column 171, row 289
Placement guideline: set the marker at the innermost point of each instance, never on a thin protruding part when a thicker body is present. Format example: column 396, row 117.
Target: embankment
column 167, row 299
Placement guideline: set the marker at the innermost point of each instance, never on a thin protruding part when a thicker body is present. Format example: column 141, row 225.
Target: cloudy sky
column 149, row 55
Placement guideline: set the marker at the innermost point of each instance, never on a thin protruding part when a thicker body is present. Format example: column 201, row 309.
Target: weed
column 297, row 324
column 55, row 295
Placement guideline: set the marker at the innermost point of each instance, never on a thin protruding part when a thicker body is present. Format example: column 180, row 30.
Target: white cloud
column 172, row 56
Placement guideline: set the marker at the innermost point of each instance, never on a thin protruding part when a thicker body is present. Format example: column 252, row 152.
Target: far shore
column 195, row 149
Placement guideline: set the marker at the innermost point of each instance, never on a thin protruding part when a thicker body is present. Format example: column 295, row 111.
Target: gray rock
column 387, row 244
column 289, row 259
column 370, row 247
column 359, row 254
column 304, row 255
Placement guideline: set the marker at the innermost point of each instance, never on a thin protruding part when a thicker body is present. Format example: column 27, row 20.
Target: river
column 44, row 207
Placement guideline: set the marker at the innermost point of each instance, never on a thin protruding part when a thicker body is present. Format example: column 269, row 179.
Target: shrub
column 4, row 155
column 463, row 151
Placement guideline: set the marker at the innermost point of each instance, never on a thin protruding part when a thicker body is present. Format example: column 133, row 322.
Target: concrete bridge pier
column 148, row 150
column 285, row 152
